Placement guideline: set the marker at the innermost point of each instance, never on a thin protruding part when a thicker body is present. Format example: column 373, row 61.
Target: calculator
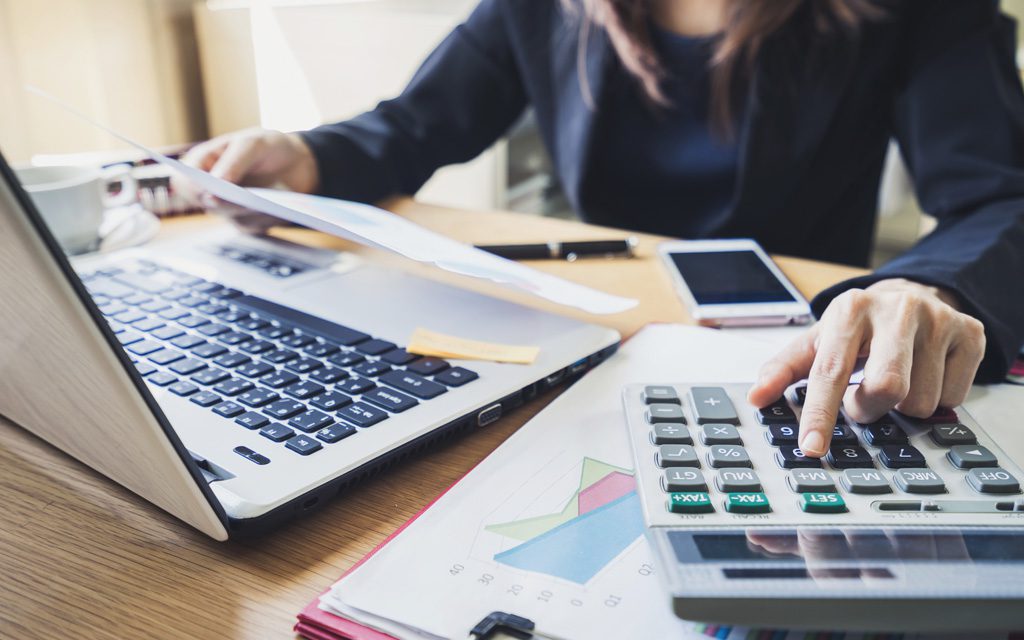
column 905, row 525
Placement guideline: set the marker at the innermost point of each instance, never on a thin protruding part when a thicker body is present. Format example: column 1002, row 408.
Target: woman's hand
column 921, row 353
column 255, row 158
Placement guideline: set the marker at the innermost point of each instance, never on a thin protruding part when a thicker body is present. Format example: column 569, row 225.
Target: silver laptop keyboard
column 300, row 380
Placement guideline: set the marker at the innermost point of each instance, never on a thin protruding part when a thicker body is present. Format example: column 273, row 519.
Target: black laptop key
column 304, row 445
column 174, row 313
column 279, row 356
column 362, row 414
column 212, row 308
column 256, row 346
column 414, row 384
column 311, row 420
column 375, row 347
column 233, row 386
column 129, row 337
column 355, row 386
column 297, row 341
column 176, row 294
column 192, row 321
column 335, row 432
column 321, row 349
column 279, row 379
column 456, row 376
column 145, row 347
column 258, row 397
column 371, row 369
column 166, row 356
column 110, row 288
column 213, row 329
column 234, row 337
column 191, row 301
column 328, row 375
column 210, row 376
column 188, row 341
column 229, row 409
column 169, row 333
column 129, row 316
column 330, row 330
column 149, row 324
column 277, row 432
column 275, row 331
column 284, row 409
column 210, row 350
column 303, row 365
column 113, row 308
column 331, row 401
column 231, row 360
column 391, row 400
column 252, row 420
column 136, row 299
column 206, row 287
column 255, row 369
column 183, row 388
column 188, row 366
column 205, row 398
column 155, row 306
column 398, row 357
column 144, row 368
column 304, row 389
column 428, row 366
column 143, row 283
column 346, row 359
column 234, row 315
column 162, row 378
column 226, row 293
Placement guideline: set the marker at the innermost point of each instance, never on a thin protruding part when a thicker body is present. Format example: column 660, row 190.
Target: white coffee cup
column 73, row 199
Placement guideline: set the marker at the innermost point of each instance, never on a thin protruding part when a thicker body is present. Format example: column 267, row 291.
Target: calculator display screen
column 851, row 546
column 729, row 277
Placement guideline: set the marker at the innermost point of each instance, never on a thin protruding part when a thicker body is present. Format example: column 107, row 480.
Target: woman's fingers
column 239, row 156
column 839, row 344
column 887, row 370
column 791, row 364
column 962, row 362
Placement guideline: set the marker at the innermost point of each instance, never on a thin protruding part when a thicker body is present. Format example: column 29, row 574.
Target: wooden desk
column 80, row 557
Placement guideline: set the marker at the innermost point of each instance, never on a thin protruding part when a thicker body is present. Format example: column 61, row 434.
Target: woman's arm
column 959, row 120
column 466, row 94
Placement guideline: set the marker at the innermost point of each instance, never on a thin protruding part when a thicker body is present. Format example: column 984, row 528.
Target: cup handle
column 129, row 186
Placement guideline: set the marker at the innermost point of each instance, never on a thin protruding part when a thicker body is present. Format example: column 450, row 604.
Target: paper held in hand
column 373, row 226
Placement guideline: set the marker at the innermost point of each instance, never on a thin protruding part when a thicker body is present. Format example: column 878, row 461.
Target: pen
column 563, row 250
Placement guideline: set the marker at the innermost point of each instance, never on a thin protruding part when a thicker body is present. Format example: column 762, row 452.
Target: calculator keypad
column 717, row 457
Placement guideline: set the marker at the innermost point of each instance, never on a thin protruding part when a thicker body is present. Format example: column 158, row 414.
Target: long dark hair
column 748, row 24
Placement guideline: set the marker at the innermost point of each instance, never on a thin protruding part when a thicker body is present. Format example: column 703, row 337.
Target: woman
column 717, row 118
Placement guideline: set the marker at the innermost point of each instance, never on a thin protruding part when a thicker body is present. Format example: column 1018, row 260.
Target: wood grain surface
column 81, row 557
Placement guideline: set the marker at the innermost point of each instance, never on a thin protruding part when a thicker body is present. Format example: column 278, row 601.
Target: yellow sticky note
column 431, row 343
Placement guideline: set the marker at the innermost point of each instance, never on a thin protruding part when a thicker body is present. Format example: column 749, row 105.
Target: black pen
column 563, row 250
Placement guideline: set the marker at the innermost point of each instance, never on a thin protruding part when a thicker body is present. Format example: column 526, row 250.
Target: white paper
column 375, row 227
column 411, row 594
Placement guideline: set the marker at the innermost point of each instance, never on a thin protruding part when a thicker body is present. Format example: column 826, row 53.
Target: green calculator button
column 822, row 503
column 690, row 502
column 747, row 503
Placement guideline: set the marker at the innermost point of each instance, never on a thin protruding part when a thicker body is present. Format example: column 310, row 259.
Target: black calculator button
column 843, row 434
column 993, row 480
column 849, row 456
column 662, row 412
column 776, row 413
column 897, row 456
column 884, row 432
column 660, row 393
column 677, row 455
column 799, row 395
column 790, row 457
column 919, row 481
column 948, row 435
column 712, row 404
column 780, row 435
column 670, row 434
column 964, row 456
column 683, row 479
column 865, row 481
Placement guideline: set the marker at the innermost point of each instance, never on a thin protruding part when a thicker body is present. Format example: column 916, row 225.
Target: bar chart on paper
column 598, row 522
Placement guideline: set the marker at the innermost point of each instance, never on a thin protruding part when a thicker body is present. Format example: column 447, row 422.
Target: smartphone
column 732, row 283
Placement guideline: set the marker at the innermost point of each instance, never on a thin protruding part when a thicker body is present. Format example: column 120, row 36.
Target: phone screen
column 729, row 277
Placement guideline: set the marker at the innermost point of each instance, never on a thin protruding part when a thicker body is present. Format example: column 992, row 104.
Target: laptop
column 237, row 382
